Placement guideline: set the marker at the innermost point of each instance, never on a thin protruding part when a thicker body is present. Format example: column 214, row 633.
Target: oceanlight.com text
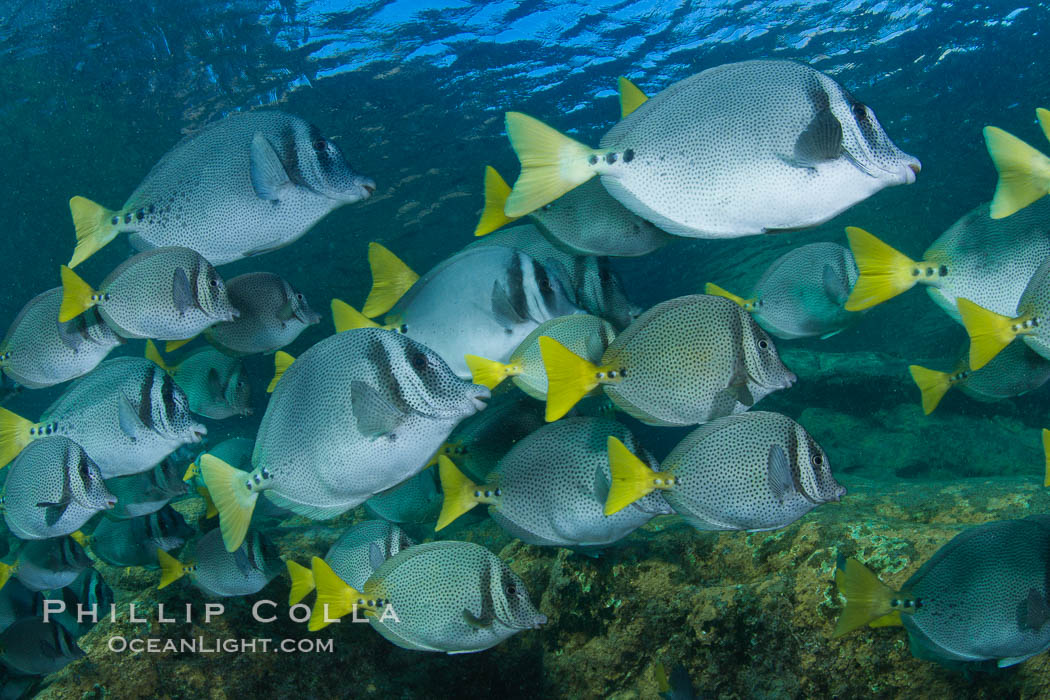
column 200, row 645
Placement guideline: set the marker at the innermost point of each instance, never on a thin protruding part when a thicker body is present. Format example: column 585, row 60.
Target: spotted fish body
column 52, row 489
column 147, row 492
column 164, row 294
column 988, row 261
column 45, row 565
column 554, row 484
column 687, row 159
column 588, row 221
column 378, row 405
column 128, row 415
column 38, row 351
column 480, row 441
column 363, row 548
column 599, row 291
column 243, row 572
column 272, row 315
column 134, row 542
column 248, row 184
column 984, row 594
column 481, row 302
column 690, row 360
column 1034, row 306
column 803, row 292
column 754, row 471
column 215, row 384
column 415, row 500
column 455, row 597
column 90, row 591
column 587, row 336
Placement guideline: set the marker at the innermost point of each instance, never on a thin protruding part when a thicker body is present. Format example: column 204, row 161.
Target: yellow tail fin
column 932, row 384
column 569, row 377
column 551, row 164
column 173, row 345
column 989, row 332
column 346, row 317
column 716, row 291
column 631, row 477
column 192, row 471
column 884, row 271
column 631, row 98
column 490, row 373
column 77, row 296
column 152, row 353
column 281, row 362
column 460, row 493
column 1046, row 455
column 1024, row 173
column 335, row 598
column 81, row 539
column 5, row 573
column 867, row 598
column 302, row 582
column 210, row 511
column 1044, row 120
column 94, row 225
column 14, row 435
column 891, row 620
column 233, row 497
column 171, row 569
column 496, row 192
column 391, row 278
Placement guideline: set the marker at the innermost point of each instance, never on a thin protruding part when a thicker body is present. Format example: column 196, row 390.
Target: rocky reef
column 749, row 615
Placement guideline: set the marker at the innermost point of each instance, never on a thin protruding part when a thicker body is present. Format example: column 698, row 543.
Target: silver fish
column 248, row 184
column 224, row 574
column 147, row 492
column 38, row 351
column 38, row 648
column 215, row 383
column 165, row 294
column 135, row 542
column 272, row 315
column 377, row 403
column 52, row 489
column 45, row 565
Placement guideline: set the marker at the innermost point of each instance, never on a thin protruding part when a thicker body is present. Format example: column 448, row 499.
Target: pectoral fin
column 269, row 178
column 181, row 292
column 375, row 415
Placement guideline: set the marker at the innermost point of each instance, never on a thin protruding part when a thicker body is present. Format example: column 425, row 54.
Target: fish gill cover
column 414, row 95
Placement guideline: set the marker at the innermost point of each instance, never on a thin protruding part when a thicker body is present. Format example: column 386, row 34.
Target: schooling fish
column 215, row 383
column 416, row 500
column 224, row 574
column 1014, row 371
column 17, row 602
column 128, row 415
column 45, row 565
column 38, row 648
column 551, row 488
column 586, row 220
column 135, row 542
column 982, row 259
column 585, row 335
column 739, row 149
column 754, row 471
column 455, row 597
column 1024, row 173
column 802, row 293
column 39, row 351
column 166, row 294
column 981, row 597
column 272, row 314
column 683, row 362
column 90, row 594
column 248, row 184
column 147, row 492
column 236, row 452
column 990, row 332
column 353, row 557
column 376, row 404
column 52, row 489
column 482, row 302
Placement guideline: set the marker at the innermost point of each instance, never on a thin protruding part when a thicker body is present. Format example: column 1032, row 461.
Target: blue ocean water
column 414, row 94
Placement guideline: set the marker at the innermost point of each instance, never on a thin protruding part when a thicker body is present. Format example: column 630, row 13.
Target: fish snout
column 367, row 186
column 910, row 170
column 539, row 621
column 789, row 380
column 233, row 315
column 197, row 433
column 111, row 502
column 478, row 399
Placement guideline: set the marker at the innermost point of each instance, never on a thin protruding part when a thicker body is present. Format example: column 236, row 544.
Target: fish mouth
column 910, row 170
column 111, row 502
column 479, row 400
column 539, row 621
column 197, row 433
column 362, row 188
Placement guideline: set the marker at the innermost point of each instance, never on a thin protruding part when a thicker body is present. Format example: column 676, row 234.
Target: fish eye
column 320, row 145
column 512, row 589
column 764, row 344
column 214, row 282
column 818, row 460
column 860, row 111
column 419, row 361
column 299, row 297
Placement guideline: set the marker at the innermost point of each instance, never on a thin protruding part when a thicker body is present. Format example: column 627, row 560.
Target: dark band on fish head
column 544, row 283
column 516, row 286
column 146, row 397
column 322, row 148
column 167, row 397
column 378, row 355
column 290, row 155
